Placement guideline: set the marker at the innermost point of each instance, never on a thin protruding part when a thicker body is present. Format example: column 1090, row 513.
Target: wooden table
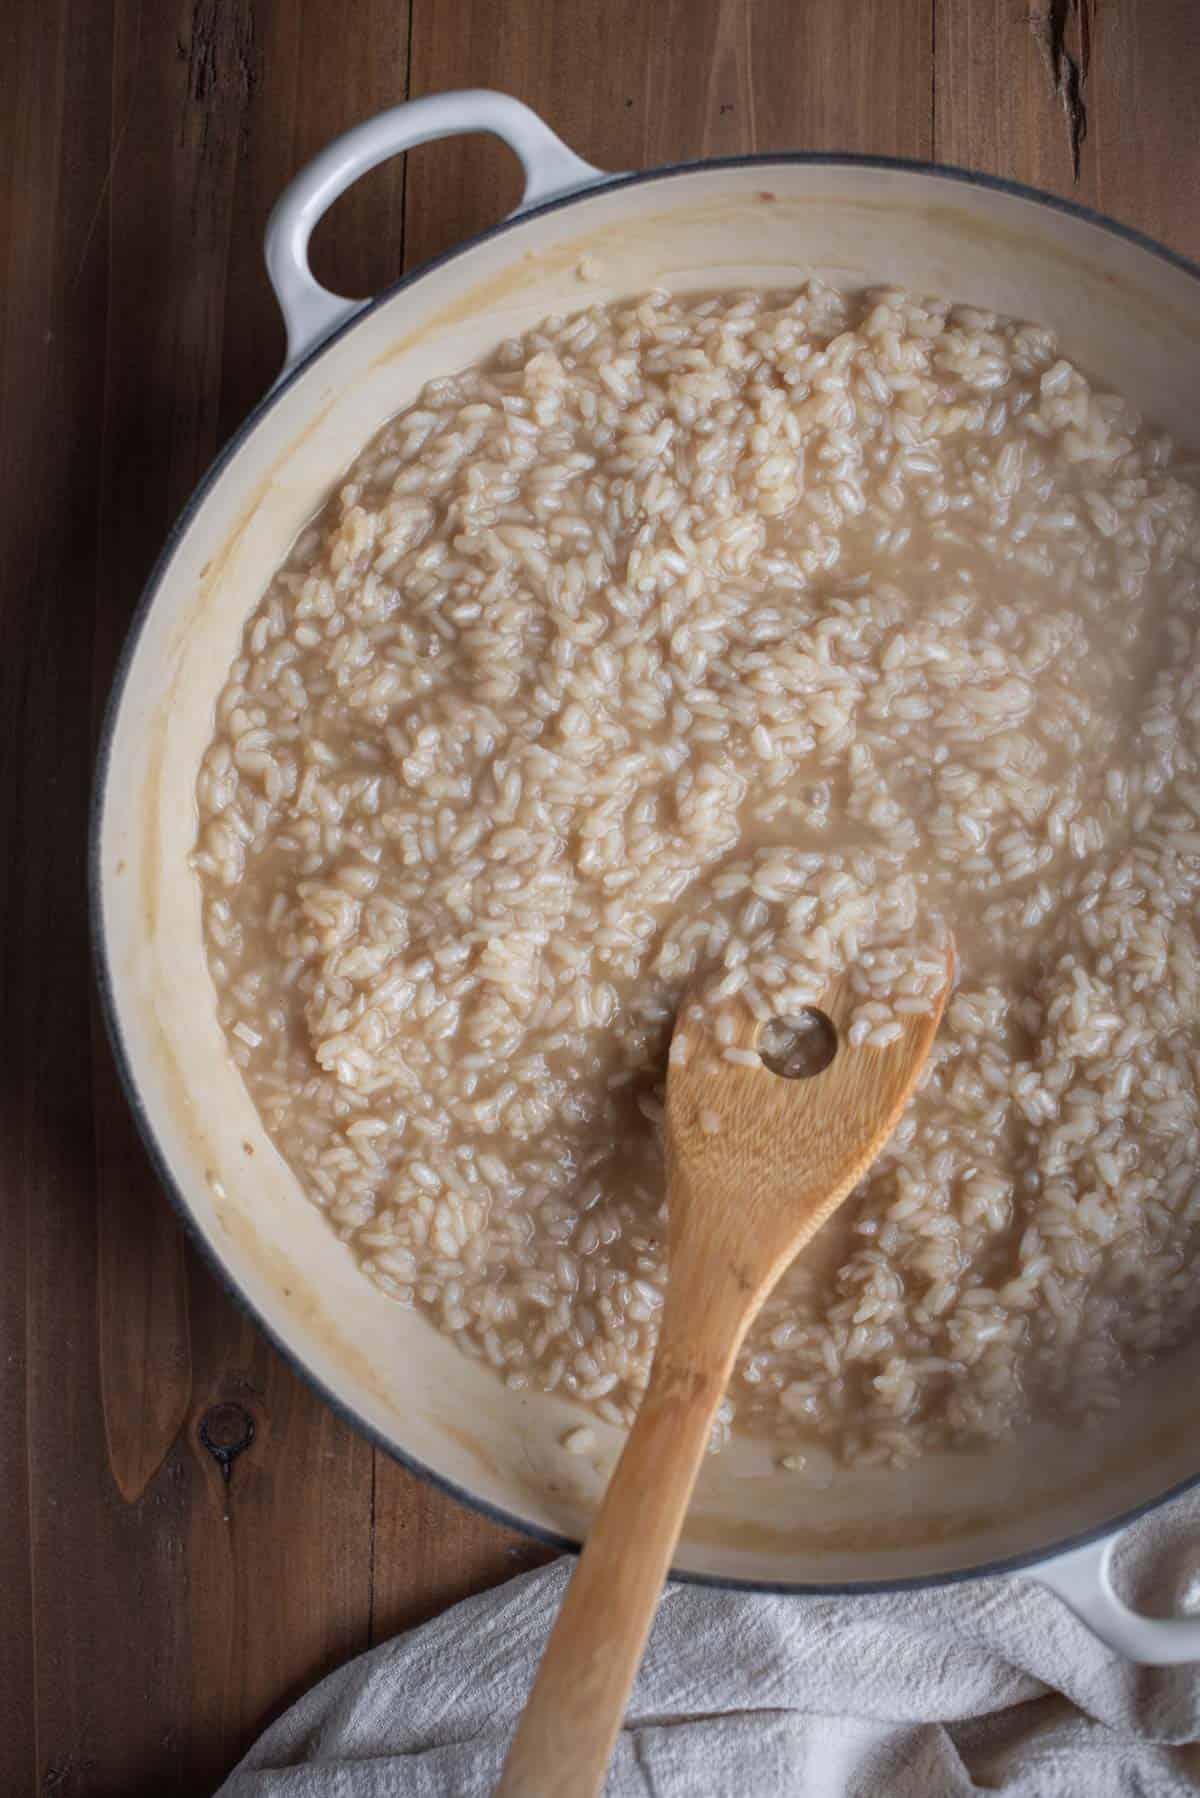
column 162, row 1594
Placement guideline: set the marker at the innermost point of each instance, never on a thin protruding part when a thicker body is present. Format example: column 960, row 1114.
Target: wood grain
column 629, row 86
column 268, row 1575
column 147, row 1637
column 47, row 484
column 145, row 1356
column 996, row 108
column 145, row 1642
column 429, row 1551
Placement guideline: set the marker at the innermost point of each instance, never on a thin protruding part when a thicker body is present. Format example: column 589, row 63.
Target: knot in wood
column 226, row 1431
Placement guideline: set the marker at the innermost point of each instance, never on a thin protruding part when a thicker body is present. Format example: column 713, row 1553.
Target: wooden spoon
column 755, row 1165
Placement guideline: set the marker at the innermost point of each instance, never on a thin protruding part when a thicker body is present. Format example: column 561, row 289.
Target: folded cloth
column 983, row 1686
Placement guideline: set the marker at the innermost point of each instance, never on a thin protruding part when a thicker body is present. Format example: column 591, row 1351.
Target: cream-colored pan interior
column 1129, row 315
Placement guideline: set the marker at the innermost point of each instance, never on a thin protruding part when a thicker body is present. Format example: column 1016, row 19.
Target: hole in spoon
column 798, row 1046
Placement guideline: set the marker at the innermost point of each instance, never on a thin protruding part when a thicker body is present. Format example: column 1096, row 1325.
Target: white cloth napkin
column 987, row 1686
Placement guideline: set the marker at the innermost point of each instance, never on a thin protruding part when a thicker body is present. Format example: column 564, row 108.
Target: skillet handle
column 1083, row 1580
column 310, row 312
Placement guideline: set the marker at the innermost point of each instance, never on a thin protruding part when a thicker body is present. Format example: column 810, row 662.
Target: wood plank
column 274, row 1556
column 997, row 108
column 430, row 1551
column 629, row 86
column 145, row 1359
column 262, row 1583
column 27, row 60
column 48, row 510
column 273, row 1562
column 1145, row 118
column 144, row 1642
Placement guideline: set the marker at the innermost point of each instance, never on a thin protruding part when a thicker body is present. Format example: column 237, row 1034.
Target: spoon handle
column 570, row 1723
